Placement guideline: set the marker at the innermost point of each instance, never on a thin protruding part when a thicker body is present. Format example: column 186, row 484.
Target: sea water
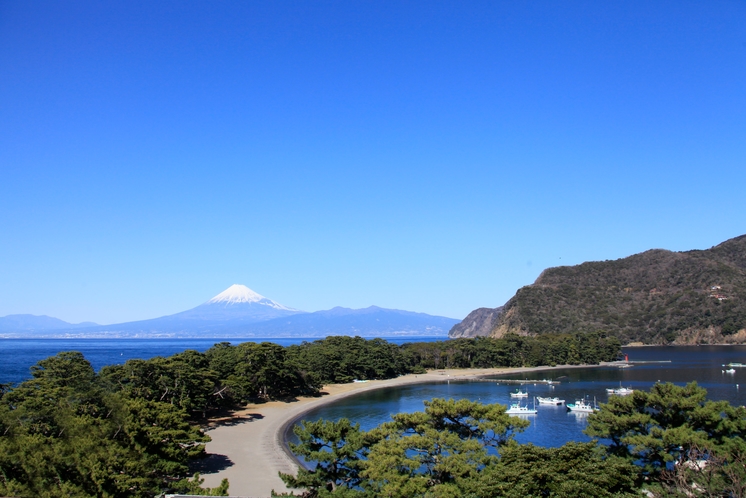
column 553, row 426
column 18, row 355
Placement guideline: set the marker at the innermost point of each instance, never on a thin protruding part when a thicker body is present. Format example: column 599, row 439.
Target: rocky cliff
column 479, row 322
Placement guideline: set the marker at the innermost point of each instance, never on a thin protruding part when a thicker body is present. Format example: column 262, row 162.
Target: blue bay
column 554, row 425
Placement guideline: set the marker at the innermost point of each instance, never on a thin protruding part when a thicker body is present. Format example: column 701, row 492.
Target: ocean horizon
column 18, row 355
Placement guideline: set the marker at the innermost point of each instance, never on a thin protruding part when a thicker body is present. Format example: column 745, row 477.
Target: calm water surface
column 17, row 355
column 554, row 425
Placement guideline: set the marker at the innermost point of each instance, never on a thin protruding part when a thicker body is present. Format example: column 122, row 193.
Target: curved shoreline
column 252, row 444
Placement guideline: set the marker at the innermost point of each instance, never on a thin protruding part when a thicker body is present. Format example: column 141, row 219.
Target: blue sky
column 429, row 156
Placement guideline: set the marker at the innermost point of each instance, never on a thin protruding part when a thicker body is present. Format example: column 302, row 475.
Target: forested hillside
column 656, row 297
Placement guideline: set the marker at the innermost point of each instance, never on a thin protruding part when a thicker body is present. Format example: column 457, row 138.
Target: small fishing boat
column 740, row 365
column 518, row 409
column 550, row 401
column 582, row 406
column 730, row 371
column 620, row 391
column 519, row 394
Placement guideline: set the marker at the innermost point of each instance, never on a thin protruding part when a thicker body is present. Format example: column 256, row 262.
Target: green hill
column 656, row 297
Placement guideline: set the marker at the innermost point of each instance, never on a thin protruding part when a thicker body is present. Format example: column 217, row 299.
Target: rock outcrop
column 478, row 323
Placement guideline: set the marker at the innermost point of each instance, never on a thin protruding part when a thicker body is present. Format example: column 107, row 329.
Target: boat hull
column 550, row 401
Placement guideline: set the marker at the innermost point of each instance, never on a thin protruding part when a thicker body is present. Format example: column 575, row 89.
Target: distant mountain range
column 655, row 297
column 366, row 322
column 240, row 312
column 21, row 323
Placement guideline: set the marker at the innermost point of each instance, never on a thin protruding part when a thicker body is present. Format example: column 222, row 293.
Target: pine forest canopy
column 132, row 430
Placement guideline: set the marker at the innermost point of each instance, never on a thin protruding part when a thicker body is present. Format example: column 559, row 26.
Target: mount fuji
column 234, row 308
column 237, row 302
column 240, row 312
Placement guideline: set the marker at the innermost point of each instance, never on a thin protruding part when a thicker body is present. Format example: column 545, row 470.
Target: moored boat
column 621, row 391
column 550, row 401
column 518, row 409
column 519, row 394
column 581, row 406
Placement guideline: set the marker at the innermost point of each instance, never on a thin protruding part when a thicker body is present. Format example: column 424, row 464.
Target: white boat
column 621, row 391
column 550, row 401
column 740, row 365
column 730, row 371
column 581, row 406
column 518, row 409
column 519, row 394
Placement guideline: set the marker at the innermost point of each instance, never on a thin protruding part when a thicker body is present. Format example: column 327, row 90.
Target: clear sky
column 422, row 155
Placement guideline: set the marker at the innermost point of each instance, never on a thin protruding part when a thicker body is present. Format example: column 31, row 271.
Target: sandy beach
column 247, row 448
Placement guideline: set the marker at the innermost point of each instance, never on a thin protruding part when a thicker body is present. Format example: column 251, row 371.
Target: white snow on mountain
column 236, row 294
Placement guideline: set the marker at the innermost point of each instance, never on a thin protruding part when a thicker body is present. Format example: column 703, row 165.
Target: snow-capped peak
column 237, row 293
